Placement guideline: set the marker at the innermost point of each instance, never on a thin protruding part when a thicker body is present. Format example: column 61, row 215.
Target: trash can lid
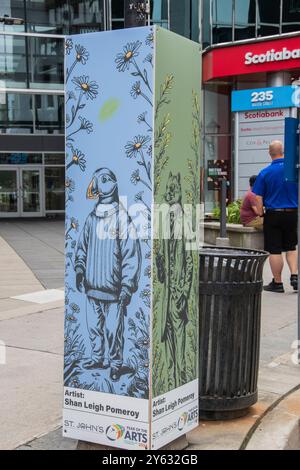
column 229, row 252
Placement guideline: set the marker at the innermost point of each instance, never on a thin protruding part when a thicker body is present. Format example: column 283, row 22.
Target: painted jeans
column 176, row 344
column 105, row 322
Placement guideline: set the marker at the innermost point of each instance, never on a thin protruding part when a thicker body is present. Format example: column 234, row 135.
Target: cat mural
column 175, row 272
column 107, row 265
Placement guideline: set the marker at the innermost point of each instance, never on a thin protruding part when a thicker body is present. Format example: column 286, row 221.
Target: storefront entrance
column 20, row 192
column 31, row 185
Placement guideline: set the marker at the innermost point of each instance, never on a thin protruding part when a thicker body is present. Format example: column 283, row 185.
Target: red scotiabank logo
column 264, row 114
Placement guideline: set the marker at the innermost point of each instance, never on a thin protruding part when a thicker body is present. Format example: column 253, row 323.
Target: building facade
column 32, row 90
column 236, row 145
column 32, row 83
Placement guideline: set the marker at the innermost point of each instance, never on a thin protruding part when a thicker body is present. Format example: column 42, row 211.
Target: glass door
column 30, row 187
column 9, row 192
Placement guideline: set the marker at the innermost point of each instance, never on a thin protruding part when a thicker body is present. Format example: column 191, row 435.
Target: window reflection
column 46, row 63
column 180, row 17
column 49, row 114
column 86, row 16
column 290, row 16
column 20, row 159
column 159, row 12
column 13, row 66
column 13, row 12
column 55, row 188
column 27, row 114
column 217, row 116
column 268, row 17
column 47, row 17
column 222, row 20
column 206, row 30
column 245, row 18
column 54, row 159
column 35, row 62
column 8, row 191
column 117, row 14
column 16, row 113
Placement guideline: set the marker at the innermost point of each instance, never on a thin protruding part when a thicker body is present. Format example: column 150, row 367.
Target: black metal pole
column 223, row 228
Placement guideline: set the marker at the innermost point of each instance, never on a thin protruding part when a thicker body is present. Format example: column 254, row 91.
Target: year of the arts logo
column 115, row 432
column 182, row 421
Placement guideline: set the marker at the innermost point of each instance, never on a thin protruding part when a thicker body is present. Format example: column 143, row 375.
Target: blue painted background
column 101, row 128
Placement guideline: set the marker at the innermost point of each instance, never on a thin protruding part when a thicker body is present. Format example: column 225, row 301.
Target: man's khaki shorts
column 257, row 223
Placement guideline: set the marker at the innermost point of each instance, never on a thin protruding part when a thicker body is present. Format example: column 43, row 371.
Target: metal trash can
column 229, row 341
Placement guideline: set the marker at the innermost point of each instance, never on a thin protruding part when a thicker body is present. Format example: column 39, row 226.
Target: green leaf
column 109, row 108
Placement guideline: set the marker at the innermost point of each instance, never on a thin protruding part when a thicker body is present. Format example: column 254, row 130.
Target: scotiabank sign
column 272, row 56
column 279, row 114
column 266, row 56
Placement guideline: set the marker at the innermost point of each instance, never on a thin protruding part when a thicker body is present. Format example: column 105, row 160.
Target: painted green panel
column 176, row 181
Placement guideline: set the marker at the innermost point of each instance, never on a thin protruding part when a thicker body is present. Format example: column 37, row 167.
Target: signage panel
column 265, row 99
column 255, row 57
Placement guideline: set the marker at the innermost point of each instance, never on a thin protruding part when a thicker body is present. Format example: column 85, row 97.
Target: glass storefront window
column 217, row 115
column 13, row 64
column 86, row 16
column 16, row 113
column 13, row 14
column 47, row 17
column 49, row 114
column 117, row 14
column 244, row 19
column 20, row 159
column 180, row 17
column 290, row 16
column 31, row 200
column 31, row 114
column 31, row 62
column 222, row 13
column 217, row 141
column 206, row 27
column 8, row 191
column 268, row 17
column 55, row 188
column 159, row 12
column 46, row 63
column 54, row 159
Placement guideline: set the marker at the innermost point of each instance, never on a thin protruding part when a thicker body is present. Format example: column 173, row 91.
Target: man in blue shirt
column 280, row 199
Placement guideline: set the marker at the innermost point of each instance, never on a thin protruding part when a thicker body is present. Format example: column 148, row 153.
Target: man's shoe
column 115, row 374
column 95, row 365
column 294, row 281
column 274, row 287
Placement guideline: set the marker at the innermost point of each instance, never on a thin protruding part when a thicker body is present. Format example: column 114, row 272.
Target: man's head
column 276, row 149
column 252, row 180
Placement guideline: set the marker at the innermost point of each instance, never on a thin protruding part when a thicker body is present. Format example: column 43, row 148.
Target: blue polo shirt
column 277, row 193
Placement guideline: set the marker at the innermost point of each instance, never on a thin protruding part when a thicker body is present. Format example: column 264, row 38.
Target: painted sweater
column 108, row 253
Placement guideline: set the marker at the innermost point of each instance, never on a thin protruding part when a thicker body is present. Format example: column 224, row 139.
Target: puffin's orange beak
column 90, row 194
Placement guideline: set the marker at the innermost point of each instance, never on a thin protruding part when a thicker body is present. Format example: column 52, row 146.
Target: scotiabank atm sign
column 266, row 56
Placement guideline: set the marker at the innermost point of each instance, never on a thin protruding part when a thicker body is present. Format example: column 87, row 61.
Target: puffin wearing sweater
column 107, row 265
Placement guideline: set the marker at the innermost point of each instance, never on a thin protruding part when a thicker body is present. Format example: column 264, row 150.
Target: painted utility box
column 132, row 187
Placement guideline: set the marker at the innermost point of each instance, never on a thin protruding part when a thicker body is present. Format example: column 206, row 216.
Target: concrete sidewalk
column 40, row 243
column 31, row 393
column 31, row 380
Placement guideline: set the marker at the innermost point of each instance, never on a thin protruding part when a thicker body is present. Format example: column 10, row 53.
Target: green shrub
column 233, row 212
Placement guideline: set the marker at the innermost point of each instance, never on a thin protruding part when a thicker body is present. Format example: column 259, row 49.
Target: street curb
column 259, row 425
